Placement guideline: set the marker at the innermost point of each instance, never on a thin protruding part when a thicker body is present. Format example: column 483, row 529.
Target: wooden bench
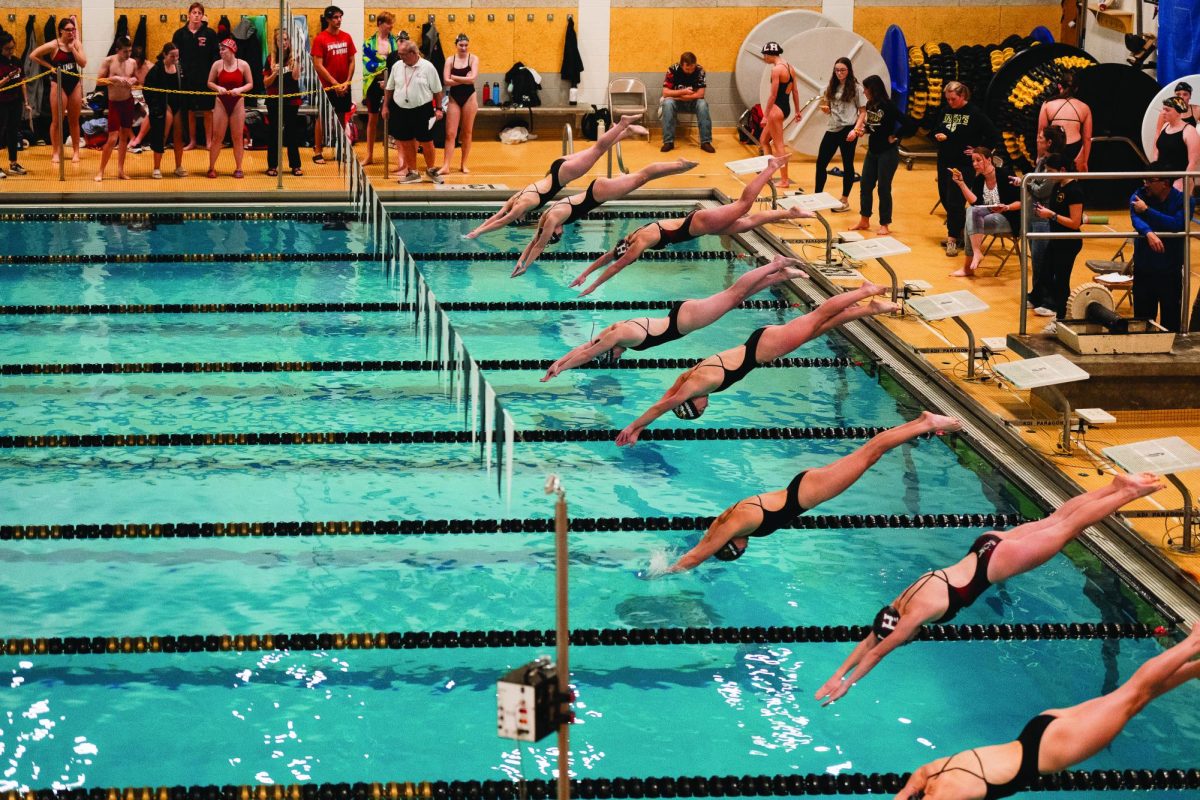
column 532, row 115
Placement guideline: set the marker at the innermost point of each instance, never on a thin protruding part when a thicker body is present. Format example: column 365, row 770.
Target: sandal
column 272, row 173
column 212, row 173
column 318, row 158
column 297, row 171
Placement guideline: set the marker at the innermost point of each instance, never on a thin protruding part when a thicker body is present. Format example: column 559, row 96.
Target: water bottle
column 496, row 93
column 487, row 93
column 573, row 96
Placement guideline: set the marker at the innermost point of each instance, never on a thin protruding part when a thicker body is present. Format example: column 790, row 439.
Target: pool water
column 283, row 717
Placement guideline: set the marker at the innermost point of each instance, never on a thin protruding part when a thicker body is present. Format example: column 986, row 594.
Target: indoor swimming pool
column 275, row 325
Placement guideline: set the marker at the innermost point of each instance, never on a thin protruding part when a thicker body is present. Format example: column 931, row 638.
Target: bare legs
column 717, row 220
column 577, row 165
column 119, row 139
column 71, row 105
column 607, row 189
column 372, row 123
column 1032, row 544
column 460, row 122
column 1083, row 730
column 772, row 142
column 779, row 340
column 696, row 314
column 823, row 483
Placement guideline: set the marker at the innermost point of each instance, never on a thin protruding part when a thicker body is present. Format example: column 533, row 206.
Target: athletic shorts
column 340, row 102
column 120, row 113
column 406, row 124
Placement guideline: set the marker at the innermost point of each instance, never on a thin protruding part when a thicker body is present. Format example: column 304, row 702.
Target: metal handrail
column 1026, row 236
column 568, row 139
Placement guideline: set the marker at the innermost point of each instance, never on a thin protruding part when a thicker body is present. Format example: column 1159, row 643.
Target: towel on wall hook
column 572, row 64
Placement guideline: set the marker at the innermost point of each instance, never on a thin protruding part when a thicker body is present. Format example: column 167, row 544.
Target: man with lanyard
column 197, row 45
column 412, row 103
column 333, row 54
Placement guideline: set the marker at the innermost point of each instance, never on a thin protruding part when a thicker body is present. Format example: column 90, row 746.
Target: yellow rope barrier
column 50, row 72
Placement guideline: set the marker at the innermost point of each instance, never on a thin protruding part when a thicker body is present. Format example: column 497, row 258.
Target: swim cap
column 622, row 248
column 1176, row 103
column 772, row 49
column 729, row 552
column 230, row 44
column 607, row 358
column 1183, row 86
column 687, row 410
column 555, row 238
column 885, row 622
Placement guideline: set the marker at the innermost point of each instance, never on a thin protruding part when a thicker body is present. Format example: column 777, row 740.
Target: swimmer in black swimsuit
column 562, row 171
column 1055, row 739
column 763, row 514
column 725, row 220
column 686, row 316
column 688, row 396
column 574, row 208
column 938, row 595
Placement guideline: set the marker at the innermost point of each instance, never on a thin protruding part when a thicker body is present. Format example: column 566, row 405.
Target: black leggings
column 831, row 142
column 1053, row 284
column 878, row 168
column 10, row 126
column 951, row 196
column 291, row 136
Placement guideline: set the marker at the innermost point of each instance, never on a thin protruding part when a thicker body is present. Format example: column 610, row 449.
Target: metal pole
column 279, row 36
column 824, row 224
column 1187, row 512
column 1023, row 250
column 562, row 638
column 896, row 290
column 1065, row 442
column 970, row 343
column 62, row 117
column 1185, row 303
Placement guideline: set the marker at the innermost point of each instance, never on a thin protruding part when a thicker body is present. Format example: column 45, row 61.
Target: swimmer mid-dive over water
column 563, row 212
column 939, row 595
column 725, row 220
column 685, row 316
column 688, row 396
column 1055, row 739
column 763, row 514
column 561, row 172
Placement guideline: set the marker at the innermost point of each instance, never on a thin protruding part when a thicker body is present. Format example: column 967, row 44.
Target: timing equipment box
column 527, row 702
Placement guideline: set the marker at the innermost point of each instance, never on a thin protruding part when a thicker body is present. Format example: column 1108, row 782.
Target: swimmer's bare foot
column 799, row 213
column 685, row 165
column 936, row 423
column 882, row 230
column 122, row 176
column 885, row 307
column 864, row 223
column 633, row 130
column 966, row 272
column 1139, row 484
column 99, row 177
column 75, row 157
column 777, row 161
column 463, row 169
column 54, row 158
column 783, row 183
column 445, row 170
column 368, row 162
column 874, row 289
column 189, row 146
column 789, row 274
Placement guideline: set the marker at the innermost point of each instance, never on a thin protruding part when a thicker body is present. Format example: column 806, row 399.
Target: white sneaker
column 157, row 174
column 1051, row 328
column 3, row 174
column 412, row 176
column 181, row 173
column 1042, row 311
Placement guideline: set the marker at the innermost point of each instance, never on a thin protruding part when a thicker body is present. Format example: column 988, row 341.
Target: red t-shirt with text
column 338, row 52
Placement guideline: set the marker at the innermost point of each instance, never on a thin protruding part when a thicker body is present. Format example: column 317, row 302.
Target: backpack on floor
column 589, row 126
column 754, row 123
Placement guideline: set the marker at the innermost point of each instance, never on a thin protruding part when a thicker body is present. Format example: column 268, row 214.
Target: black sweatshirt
column 883, row 121
column 197, row 52
column 964, row 127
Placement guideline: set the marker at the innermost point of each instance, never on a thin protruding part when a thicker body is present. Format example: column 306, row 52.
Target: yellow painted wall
column 499, row 43
column 17, row 27
column 159, row 33
column 650, row 39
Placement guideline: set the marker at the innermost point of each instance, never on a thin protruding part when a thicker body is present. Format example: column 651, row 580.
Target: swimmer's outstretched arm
column 734, row 522
column 513, row 209
column 609, row 338
column 631, row 255
column 546, row 225
column 866, row 654
column 676, row 395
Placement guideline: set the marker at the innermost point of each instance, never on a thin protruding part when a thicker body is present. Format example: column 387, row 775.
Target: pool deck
column 505, row 166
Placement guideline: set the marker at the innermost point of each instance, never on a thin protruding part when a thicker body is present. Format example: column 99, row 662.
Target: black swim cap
column 622, row 248
column 555, row 238
column 885, row 622
column 729, row 551
column 772, row 49
column 687, row 410
column 607, row 358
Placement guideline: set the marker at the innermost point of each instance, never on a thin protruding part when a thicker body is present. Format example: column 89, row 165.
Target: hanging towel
column 139, row 36
column 431, row 47
column 122, row 30
column 572, row 65
column 224, row 28
column 250, row 51
column 38, row 96
column 1178, row 49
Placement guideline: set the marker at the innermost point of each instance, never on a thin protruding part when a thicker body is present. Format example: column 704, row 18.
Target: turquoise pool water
column 428, row 715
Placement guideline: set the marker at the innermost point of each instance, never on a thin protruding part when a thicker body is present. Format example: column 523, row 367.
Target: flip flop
column 272, row 173
column 318, row 159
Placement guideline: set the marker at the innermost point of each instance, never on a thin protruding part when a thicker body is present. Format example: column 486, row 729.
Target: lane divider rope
column 190, row 367
column 267, row 439
column 580, row 637
column 169, row 217
column 783, row 785
column 352, row 307
column 208, row 258
column 414, row 527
